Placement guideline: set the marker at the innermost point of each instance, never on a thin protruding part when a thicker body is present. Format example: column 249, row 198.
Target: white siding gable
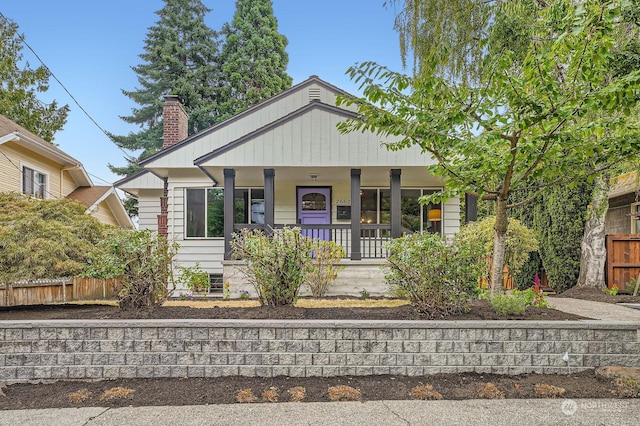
column 244, row 123
column 312, row 139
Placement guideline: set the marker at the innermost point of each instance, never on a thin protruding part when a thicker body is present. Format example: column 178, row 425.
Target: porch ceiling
column 371, row 176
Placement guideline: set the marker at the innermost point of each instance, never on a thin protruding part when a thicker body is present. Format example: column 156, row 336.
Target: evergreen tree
column 254, row 57
column 180, row 58
column 19, row 87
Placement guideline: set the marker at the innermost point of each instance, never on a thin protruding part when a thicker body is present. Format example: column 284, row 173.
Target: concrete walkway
column 595, row 310
column 617, row 412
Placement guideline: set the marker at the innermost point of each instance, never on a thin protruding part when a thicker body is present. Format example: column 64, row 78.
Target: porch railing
column 372, row 236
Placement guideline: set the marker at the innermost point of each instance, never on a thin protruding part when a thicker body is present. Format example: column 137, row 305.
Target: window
column 635, row 217
column 34, row 182
column 249, row 206
column 314, row 201
column 205, row 213
column 205, row 210
column 376, row 209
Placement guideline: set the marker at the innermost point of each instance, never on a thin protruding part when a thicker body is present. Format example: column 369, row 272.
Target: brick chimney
column 176, row 121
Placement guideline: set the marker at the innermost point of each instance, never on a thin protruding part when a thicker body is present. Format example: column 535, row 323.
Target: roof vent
column 314, row 94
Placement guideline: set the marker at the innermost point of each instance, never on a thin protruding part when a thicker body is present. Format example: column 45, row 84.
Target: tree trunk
column 499, row 246
column 594, row 251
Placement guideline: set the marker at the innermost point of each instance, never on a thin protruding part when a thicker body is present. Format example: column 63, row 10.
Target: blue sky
column 91, row 45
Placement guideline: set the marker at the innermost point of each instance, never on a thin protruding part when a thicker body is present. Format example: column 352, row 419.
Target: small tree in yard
column 276, row 265
column 519, row 241
column 44, row 238
column 141, row 261
column 325, row 256
column 544, row 116
column 438, row 278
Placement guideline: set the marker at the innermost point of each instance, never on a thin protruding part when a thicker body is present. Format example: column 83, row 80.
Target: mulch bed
column 597, row 295
column 201, row 391
column 480, row 310
column 187, row 391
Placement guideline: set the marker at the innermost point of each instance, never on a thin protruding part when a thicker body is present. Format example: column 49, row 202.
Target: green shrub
column 325, row 256
column 194, row 278
column 530, row 297
column 439, row 279
column 45, row 238
column 141, row 260
column 519, row 243
column 277, row 265
column 505, row 304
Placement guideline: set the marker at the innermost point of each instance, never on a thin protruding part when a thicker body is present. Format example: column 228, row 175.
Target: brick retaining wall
column 60, row 349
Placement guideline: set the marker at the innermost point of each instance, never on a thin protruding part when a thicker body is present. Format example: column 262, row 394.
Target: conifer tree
column 19, row 87
column 180, row 58
column 253, row 56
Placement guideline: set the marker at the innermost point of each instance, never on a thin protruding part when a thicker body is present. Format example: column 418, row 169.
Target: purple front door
column 314, row 207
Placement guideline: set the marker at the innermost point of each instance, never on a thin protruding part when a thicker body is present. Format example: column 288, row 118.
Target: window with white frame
column 205, row 210
column 415, row 217
column 34, row 182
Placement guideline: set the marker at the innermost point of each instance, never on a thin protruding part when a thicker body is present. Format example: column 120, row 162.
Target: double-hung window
column 205, row 210
column 34, row 182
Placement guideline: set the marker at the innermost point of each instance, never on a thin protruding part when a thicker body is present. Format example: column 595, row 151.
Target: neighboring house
column 31, row 165
column 623, row 215
column 283, row 162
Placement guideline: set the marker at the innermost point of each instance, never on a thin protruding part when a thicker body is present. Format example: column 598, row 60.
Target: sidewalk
column 389, row 413
column 595, row 310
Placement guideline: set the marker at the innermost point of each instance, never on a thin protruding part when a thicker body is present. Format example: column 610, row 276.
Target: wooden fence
column 44, row 292
column 623, row 260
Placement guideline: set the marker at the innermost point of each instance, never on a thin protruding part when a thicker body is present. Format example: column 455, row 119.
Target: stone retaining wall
column 45, row 350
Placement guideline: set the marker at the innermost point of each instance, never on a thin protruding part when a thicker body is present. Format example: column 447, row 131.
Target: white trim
column 11, row 137
column 47, row 193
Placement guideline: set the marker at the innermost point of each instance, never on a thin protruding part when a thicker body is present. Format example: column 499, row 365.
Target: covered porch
column 358, row 208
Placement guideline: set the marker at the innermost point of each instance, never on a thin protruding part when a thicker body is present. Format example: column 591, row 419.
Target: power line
column 128, row 156
column 99, row 178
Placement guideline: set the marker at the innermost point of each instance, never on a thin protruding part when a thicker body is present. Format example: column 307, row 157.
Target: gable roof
column 314, row 79
column 13, row 132
column 316, row 104
column 93, row 196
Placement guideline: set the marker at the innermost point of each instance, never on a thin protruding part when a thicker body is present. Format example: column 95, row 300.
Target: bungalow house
column 283, row 162
column 33, row 166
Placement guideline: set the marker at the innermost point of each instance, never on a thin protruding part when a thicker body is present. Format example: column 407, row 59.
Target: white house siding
column 313, row 140
column 148, row 208
column 253, row 119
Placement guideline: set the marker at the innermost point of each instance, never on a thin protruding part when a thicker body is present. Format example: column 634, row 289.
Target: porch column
column 396, row 209
column 229, row 195
column 470, row 208
column 355, row 215
column 269, row 200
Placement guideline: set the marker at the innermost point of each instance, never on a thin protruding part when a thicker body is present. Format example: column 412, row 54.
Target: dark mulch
column 598, row 295
column 150, row 392
column 480, row 310
column 173, row 391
